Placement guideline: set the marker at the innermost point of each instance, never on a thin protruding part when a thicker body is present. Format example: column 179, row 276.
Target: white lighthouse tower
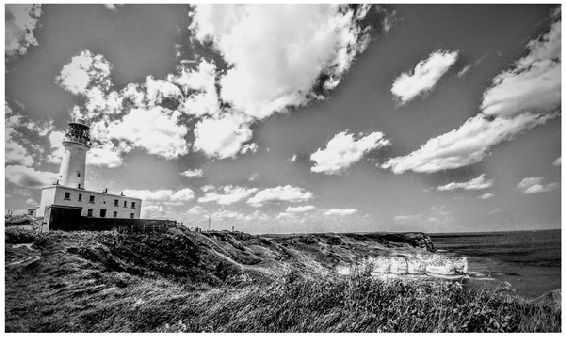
column 69, row 190
column 77, row 143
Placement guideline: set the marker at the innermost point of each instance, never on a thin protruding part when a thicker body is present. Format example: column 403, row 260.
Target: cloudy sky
column 295, row 118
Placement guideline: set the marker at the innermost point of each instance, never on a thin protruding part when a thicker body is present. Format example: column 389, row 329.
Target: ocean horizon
column 530, row 263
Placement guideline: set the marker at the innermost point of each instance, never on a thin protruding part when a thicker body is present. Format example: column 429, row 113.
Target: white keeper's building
column 69, row 190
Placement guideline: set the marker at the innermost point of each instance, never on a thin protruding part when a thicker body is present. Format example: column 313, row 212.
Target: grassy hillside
column 220, row 281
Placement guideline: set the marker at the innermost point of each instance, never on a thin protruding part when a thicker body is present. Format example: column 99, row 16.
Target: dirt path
column 21, row 254
column 27, row 261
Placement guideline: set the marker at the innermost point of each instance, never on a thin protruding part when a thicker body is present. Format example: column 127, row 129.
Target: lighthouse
column 77, row 143
column 69, row 191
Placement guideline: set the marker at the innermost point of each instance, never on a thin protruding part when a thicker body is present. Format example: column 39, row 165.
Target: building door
column 103, row 213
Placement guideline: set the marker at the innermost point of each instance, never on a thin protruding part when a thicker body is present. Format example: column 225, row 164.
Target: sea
column 529, row 261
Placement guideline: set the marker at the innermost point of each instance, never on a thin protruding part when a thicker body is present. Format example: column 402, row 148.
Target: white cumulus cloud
column 535, row 185
column 511, row 105
column 182, row 195
column 85, row 71
column 106, row 154
column 340, row 211
column 252, row 148
column 222, row 137
column 227, row 195
column 486, row 196
column 124, row 120
column 113, row 7
column 156, row 130
column 28, row 177
column 207, row 188
column 424, row 77
column 285, row 193
column 463, row 71
column 474, row 184
column 300, row 209
column 199, row 89
column 534, row 84
column 158, row 90
column 469, row 144
column 344, row 150
column 56, row 146
column 21, row 21
column 18, row 130
column 279, row 52
column 17, row 153
column 195, row 173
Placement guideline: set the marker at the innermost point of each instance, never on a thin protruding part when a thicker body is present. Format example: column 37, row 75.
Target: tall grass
column 101, row 286
column 360, row 303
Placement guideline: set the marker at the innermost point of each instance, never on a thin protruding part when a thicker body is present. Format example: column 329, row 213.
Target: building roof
column 87, row 191
column 64, row 206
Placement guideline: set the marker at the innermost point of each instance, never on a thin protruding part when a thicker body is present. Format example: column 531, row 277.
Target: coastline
column 530, row 261
column 186, row 281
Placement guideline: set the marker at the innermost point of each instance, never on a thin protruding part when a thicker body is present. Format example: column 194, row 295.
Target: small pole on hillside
column 209, row 223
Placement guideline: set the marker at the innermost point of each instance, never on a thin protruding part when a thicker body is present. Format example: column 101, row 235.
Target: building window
column 67, row 196
column 125, row 204
column 115, row 214
column 115, row 202
column 78, row 174
column 133, row 205
column 80, row 187
column 91, row 199
column 89, row 212
column 131, row 215
column 80, row 196
column 103, row 213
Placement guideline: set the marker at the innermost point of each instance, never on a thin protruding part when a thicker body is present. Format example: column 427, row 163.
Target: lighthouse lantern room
column 77, row 143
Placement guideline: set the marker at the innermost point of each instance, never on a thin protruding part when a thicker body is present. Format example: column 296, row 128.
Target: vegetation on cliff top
column 190, row 282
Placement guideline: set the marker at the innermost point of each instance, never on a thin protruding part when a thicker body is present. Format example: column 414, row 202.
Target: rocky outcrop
column 415, row 239
column 411, row 264
column 395, row 240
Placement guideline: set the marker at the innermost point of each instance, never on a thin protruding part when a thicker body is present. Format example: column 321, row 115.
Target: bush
column 18, row 220
column 42, row 240
column 16, row 234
